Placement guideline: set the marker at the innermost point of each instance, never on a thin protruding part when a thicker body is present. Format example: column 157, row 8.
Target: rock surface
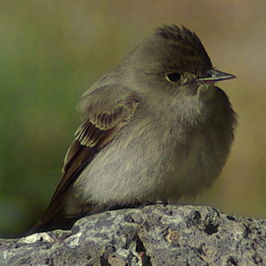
column 152, row 235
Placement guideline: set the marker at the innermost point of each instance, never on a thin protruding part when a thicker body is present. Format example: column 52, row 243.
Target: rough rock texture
column 152, row 235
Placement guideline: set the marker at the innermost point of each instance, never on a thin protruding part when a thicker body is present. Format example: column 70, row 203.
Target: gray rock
column 152, row 235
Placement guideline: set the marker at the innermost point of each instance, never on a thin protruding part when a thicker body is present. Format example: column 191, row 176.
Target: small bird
column 156, row 128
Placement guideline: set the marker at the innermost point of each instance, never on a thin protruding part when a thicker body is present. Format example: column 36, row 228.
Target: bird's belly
column 195, row 169
column 157, row 172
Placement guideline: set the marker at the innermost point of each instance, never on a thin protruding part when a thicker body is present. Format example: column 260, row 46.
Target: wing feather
column 107, row 111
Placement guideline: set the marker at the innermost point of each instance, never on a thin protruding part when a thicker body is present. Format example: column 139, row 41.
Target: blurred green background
column 51, row 51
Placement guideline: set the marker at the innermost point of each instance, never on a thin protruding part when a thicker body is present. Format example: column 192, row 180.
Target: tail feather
column 51, row 223
column 53, row 218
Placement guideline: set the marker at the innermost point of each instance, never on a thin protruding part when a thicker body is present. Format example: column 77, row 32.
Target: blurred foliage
column 51, row 51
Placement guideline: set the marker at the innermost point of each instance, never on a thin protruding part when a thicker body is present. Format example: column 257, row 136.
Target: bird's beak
column 214, row 75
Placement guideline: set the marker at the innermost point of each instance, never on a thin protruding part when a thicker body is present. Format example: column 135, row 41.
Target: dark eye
column 173, row 77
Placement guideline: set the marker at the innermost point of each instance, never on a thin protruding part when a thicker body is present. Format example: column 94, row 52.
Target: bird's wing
column 107, row 109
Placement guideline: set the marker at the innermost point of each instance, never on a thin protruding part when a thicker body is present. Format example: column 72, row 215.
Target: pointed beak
column 214, row 75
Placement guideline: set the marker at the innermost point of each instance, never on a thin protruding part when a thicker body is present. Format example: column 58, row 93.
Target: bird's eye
column 173, row 77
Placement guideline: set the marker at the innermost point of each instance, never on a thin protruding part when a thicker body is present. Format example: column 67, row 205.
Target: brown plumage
column 100, row 128
column 154, row 128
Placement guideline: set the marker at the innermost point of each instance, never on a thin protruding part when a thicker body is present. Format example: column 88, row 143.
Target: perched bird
column 154, row 128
